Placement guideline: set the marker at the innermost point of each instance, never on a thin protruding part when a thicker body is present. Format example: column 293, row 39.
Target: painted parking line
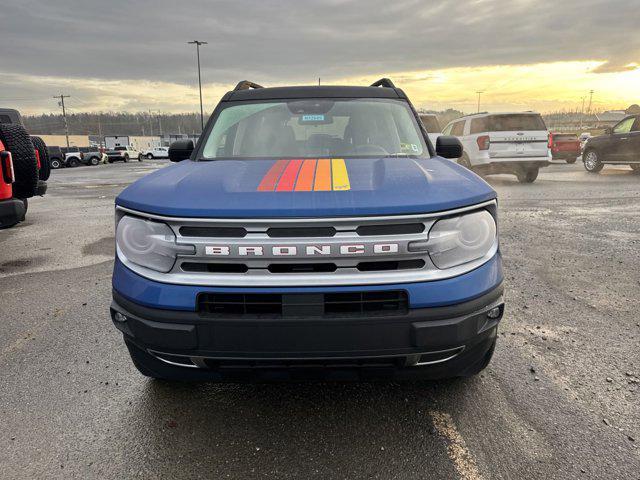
column 457, row 450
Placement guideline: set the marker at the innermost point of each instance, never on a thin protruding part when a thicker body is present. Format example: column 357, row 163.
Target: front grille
column 287, row 252
column 293, row 232
column 377, row 303
column 214, row 232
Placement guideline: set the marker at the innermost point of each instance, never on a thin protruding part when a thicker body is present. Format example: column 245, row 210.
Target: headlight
column 458, row 240
column 149, row 244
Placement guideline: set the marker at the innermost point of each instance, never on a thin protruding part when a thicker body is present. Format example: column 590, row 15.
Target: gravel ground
column 560, row 399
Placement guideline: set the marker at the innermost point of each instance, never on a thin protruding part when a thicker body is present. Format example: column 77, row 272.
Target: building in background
column 138, row 142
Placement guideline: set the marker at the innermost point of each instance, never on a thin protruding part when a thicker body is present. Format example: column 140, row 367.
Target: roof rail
column 246, row 85
column 383, row 82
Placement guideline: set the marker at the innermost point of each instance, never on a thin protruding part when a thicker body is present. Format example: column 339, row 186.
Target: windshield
column 315, row 128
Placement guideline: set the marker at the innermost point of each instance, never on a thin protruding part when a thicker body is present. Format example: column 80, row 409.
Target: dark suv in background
column 619, row 145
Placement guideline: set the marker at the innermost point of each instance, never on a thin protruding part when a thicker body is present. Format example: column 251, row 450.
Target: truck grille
column 312, row 252
column 387, row 302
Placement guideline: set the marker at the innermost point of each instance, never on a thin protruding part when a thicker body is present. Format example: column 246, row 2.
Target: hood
column 306, row 188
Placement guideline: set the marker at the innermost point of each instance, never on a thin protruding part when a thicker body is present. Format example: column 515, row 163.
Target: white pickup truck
column 123, row 153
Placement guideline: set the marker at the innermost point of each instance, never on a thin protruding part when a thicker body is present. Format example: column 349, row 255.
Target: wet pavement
column 560, row 399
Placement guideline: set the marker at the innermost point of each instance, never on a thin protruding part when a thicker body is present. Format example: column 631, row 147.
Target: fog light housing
column 119, row 317
column 494, row 313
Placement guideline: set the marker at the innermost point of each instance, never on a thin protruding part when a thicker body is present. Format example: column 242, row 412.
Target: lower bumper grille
column 388, row 302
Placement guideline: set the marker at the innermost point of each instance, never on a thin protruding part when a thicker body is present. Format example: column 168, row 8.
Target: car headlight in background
column 463, row 239
column 149, row 244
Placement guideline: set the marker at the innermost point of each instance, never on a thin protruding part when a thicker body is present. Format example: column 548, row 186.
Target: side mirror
column 448, row 147
column 180, row 150
column 608, row 131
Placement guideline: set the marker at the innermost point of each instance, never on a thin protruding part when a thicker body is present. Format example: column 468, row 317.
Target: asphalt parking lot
column 560, row 399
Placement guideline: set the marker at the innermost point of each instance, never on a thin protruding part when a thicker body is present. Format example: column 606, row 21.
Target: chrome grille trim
column 346, row 273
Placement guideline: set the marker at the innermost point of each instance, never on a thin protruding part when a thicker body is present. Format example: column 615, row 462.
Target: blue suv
column 312, row 233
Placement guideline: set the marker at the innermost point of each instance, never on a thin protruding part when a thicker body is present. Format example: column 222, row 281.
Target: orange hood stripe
column 306, row 176
column 323, row 176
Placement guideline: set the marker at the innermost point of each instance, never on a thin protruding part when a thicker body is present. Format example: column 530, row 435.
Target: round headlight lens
column 146, row 243
column 463, row 239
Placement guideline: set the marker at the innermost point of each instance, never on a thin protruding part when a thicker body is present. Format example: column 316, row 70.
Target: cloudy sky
column 132, row 55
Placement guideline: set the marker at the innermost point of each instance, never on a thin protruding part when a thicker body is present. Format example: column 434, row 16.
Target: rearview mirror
column 180, row 150
column 448, row 147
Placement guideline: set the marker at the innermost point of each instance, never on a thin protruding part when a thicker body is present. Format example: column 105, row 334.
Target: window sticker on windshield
column 409, row 147
column 312, row 118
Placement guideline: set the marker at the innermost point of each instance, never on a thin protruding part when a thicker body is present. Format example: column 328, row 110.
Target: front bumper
column 12, row 211
column 426, row 342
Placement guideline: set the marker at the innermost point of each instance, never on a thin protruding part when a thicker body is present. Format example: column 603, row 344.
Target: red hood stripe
column 270, row 180
column 289, row 176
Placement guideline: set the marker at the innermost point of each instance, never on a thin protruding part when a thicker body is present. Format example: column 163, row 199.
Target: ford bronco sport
column 312, row 233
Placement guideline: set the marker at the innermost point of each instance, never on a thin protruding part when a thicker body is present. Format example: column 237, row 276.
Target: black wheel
column 571, row 159
column 150, row 156
column 109, row 160
column 528, row 175
column 26, row 205
column 126, row 158
column 592, row 163
column 140, row 157
column 16, row 140
column 55, row 163
column 73, row 162
column 45, row 161
column 635, row 167
column 94, row 161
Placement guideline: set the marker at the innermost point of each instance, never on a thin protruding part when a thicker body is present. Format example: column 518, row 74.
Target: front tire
column 94, row 161
column 150, row 156
column 527, row 176
column 126, row 158
column 592, row 163
column 73, row 162
column 16, row 139
column 55, row 163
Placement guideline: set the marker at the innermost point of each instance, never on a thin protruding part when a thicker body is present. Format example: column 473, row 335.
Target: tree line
column 113, row 123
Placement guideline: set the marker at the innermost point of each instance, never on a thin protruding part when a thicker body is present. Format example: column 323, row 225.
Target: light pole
column 480, row 92
column 197, row 43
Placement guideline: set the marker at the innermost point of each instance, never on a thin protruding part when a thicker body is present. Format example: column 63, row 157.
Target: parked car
column 91, row 155
column 73, row 157
column 339, row 253
column 20, row 164
column 431, row 124
column 123, row 154
column 564, row 146
column 515, row 143
column 156, row 152
column 619, row 145
column 56, row 157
